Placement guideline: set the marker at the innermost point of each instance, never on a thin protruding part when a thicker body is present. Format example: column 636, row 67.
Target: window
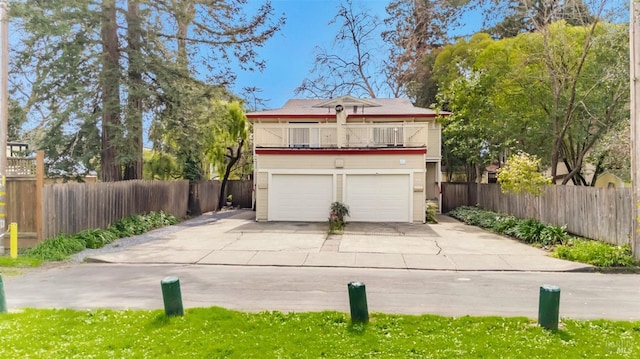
column 304, row 137
column 388, row 136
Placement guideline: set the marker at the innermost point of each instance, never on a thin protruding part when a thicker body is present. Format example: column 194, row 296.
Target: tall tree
column 110, row 83
column 567, row 85
column 416, row 29
column 529, row 16
column 94, row 70
column 351, row 66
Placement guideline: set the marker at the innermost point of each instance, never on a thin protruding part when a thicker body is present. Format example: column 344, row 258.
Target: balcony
column 331, row 135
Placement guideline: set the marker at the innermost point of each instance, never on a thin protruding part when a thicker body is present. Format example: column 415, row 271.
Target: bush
column 57, row 248
column 430, row 213
column 596, row 253
column 96, row 238
column 62, row 246
column 338, row 211
column 526, row 230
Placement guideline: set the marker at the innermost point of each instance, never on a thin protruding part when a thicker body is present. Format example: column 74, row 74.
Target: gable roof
column 378, row 107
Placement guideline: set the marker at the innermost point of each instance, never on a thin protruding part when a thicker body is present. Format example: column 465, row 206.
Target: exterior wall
column 340, row 166
column 431, row 184
column 262, row 198
column 364, row 161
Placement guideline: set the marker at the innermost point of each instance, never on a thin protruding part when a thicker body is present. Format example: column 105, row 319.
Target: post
column 172, row 296
column 549, row 307
column 358, row 302
column 13, row 240
column 39, row 188
column 4, row 111
column 3, row 302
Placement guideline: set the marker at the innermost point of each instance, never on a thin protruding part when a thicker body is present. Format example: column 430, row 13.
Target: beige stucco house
column 380, row 157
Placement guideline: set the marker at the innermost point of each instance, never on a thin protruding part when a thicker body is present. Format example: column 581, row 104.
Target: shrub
column 596, row 253
column 95, row 238
column 430, row 213
column 527, row 230
column 505, row 224
column 338, row 211
column 62, row 246
column 57, row 248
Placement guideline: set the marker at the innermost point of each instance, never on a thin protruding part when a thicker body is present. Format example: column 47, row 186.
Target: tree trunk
column 233, row 159
column 110, row 82
column 133, row 168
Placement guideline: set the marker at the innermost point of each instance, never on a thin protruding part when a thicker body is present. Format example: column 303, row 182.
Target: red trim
column 341, row 151
column 333, row 116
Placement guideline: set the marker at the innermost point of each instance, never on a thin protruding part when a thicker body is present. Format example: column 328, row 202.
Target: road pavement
column 448, row 268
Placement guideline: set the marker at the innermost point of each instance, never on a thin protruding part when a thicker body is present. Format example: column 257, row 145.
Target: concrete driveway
column 239, row 240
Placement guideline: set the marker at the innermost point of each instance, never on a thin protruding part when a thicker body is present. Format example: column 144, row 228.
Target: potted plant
column 229, row 200
column 336, row 216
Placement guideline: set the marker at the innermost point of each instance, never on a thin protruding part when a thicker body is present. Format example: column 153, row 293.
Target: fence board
column 605, row 214
column 73, row 207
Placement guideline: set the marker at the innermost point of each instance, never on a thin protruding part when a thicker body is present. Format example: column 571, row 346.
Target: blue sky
column 289, row 54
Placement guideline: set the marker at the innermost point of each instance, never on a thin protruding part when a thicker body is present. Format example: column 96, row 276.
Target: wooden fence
column 208, row 194
column 73, row 207
column 598, row 213
column 45, row 210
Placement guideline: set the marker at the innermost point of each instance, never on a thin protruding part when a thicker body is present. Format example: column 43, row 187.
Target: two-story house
column 380, row 157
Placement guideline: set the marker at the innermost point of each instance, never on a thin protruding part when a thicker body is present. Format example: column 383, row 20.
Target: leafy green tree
column 521, row 173
column 530, row 16
column 566, row 85
column 229, row 140
column 93, row 70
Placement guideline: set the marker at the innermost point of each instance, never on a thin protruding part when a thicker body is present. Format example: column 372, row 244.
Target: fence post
column 39, row 207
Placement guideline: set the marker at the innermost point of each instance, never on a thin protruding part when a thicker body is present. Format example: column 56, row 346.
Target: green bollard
column 358, row 302
column 549, row 307
column 3, row 302
column 172, row 296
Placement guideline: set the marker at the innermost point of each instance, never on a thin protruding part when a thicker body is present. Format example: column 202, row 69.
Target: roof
column 378, row 107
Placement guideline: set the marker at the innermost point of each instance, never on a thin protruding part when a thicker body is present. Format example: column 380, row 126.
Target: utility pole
column 4, row 113
column 634, row 46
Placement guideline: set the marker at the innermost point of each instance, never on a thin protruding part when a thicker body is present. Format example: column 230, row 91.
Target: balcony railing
column 294, row 135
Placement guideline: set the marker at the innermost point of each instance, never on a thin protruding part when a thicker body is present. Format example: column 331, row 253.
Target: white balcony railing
column 328, row 135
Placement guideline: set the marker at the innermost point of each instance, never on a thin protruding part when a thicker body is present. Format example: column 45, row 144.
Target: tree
column 521, row 173
column 93, row 75
column 567, row 84
column 350, row 69
column 228, row 142
column 416, row 29
column 530, row 16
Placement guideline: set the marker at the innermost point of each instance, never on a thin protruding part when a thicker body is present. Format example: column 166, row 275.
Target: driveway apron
column 239, row 240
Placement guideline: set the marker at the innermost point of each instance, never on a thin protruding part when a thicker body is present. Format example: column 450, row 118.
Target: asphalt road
column 451, row 293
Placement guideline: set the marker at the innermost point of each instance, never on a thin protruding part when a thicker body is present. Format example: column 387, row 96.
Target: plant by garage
column 338, row 211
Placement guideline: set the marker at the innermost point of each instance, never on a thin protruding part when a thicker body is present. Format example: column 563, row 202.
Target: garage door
column 300, row 197
column 378, row 198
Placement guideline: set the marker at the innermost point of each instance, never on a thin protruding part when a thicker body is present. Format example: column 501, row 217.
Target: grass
column 595, row 253
column 11, row 266
column 220, row 333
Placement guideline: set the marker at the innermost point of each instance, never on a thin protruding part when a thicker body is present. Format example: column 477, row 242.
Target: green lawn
column 220, row 333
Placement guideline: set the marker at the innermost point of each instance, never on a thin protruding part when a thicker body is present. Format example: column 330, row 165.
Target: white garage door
column 300, row 197
column 378, row 198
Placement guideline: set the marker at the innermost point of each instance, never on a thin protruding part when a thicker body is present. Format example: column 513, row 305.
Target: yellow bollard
column 13, row 237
